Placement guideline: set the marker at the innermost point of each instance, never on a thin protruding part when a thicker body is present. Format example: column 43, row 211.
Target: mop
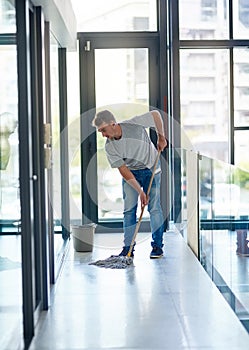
column 122, row 262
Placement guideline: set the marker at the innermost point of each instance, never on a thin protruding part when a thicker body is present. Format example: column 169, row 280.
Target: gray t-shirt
column 135, row 148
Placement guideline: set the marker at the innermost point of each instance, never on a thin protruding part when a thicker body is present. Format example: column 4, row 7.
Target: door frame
column 88, row 42
column 33, row 199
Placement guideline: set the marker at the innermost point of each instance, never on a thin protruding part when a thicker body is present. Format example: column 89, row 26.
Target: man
column 129, row 148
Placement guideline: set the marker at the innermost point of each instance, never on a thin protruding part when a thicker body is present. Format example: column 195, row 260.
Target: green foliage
column 241, row 177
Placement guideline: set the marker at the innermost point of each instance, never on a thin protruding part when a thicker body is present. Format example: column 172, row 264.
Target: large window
column 115, row 15
column 214, row 89
column 203, row 20
column 241, row 19
column 74, row 136
column 241, row 87
column 9, row 170
column 7, row 16
column 204, row 100
column 55, row 114
column 126, row 71
column 10, row 244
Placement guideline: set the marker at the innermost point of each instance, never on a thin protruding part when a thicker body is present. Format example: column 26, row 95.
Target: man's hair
column 103, row 117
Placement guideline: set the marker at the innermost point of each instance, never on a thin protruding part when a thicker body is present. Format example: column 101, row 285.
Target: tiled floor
column 168, row 303
column 10, row 292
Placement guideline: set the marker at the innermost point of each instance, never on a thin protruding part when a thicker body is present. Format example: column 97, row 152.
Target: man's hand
column 158, row 120
column 143, row 199
column 161, row 142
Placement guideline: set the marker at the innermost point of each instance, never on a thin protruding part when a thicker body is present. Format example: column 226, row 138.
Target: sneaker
column 156, row 252
column 125, row 251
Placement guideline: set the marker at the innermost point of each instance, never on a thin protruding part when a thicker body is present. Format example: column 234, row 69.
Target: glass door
column 127, row 73
column 121, row 76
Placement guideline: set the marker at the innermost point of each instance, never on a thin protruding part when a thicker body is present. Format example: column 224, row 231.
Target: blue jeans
column 130, row 196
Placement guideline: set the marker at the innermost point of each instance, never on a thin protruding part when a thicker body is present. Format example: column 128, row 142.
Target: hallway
column 169, row 303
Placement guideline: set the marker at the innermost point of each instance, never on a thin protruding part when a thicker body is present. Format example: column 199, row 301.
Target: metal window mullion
column 36, row 162
column 8, row 39
column 162, row 13
column 231, row 102
column 175, row 108
column 64, row 155
column 230, row 18
column 88, row 134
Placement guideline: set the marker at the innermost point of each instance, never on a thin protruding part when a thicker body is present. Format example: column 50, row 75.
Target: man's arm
column 130, row 178
column 161, row 140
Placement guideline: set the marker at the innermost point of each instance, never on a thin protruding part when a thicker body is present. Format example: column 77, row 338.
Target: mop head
column 114, row 262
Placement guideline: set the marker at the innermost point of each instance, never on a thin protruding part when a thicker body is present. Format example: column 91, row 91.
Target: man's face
column 107, row 130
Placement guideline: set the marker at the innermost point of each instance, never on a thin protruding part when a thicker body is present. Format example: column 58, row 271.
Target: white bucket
column 83, row 237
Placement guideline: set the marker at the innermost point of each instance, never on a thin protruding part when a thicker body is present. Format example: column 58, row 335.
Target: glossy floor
column 167, row 303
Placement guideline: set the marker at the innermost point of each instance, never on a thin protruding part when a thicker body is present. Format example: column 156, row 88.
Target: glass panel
column 241, row 141
column 206, row 192
column 224, row 238
column 206, row 19
column 204, row 100
column 241, row 87
column 189, row 176
column 10, row 204
column 55, row 117
column 241, row 19
column 10, row 244
column 125, row 78
column 225, row 194
column 184, row 187
column 7, row 16
column 240, row 179
column 205, row 212
column 115, row 15
column 74, row 137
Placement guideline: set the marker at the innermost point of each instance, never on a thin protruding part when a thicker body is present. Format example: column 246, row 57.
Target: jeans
column 130, row 196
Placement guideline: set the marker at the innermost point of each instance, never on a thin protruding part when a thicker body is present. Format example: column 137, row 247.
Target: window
column 74, row 137
column 201, row 61
column 241, row 19
column 204, row 100
column 110, row 15
column 55, row 116
column 241, row 87
column 9, row 180
column 205, row 19
column 7, row 16
column 241, row 149
column 127, row 73
column 243, row 68
column 200, row 85
column 244, row 12
column 209, row 9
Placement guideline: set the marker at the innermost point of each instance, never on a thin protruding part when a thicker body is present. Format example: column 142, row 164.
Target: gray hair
column 103, row 117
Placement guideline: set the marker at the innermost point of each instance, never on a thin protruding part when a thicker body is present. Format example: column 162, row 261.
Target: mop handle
column 142, row 210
